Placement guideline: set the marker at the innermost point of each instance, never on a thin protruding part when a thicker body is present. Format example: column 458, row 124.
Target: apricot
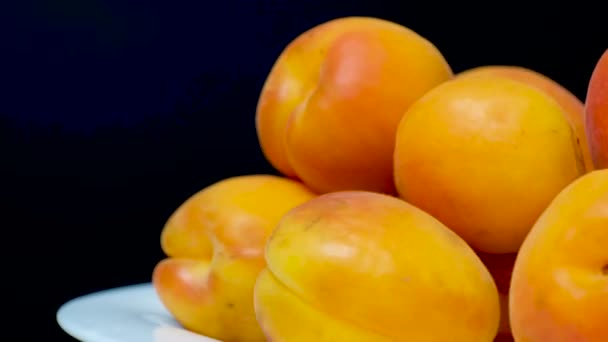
column 215, row 245
column 329, row 109
column 596, row 113
column 485, row 156
column 362, row 266
column 559, row 288
column 572, row 106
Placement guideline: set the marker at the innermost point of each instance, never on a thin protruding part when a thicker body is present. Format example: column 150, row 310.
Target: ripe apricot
column 329, row 109
column 485, row 156
column 215, row 245
column 559, row 289
column 365, row 267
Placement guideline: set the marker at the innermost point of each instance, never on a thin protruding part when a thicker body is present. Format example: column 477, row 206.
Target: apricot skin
column 574, row 109
column 485, row 157
column 596, row 113
column 559, row 289
column 362, row 266
column 215, row 245
column 329, row 109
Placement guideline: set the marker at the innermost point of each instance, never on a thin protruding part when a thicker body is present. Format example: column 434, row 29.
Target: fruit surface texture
column 573, row 107
column 362, row 266
column 329, row 109
column 596, row 111
column 559, row 290
column 485, row 156
column 215, row 245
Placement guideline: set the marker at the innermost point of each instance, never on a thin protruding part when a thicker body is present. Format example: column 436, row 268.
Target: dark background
column 113, row 113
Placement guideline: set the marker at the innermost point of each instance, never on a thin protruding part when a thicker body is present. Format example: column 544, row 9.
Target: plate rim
column 66, row 306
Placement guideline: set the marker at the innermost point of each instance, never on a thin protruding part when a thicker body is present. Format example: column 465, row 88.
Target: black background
column 113, row 113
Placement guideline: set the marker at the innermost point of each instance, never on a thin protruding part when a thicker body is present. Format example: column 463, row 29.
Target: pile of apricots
column 414, row 203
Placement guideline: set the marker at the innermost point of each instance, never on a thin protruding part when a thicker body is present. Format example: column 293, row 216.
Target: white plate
column 127, row 314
